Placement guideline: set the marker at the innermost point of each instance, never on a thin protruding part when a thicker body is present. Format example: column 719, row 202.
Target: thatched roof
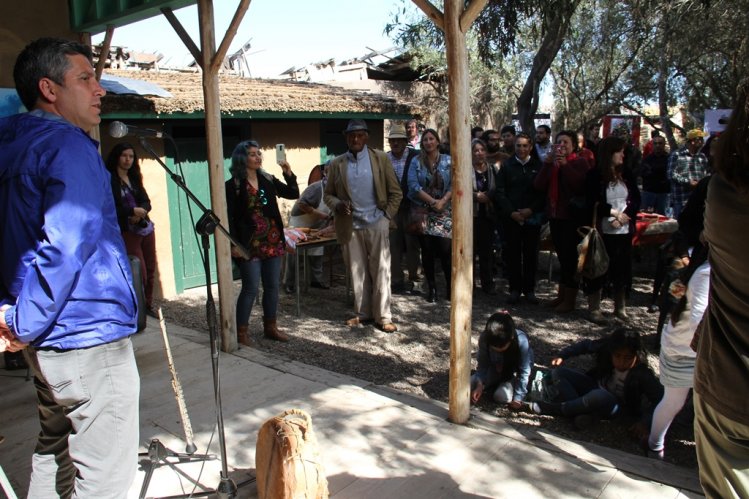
column 246, row 95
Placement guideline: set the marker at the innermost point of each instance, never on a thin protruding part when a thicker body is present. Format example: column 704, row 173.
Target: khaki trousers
column 367, row 257
column 722, row 452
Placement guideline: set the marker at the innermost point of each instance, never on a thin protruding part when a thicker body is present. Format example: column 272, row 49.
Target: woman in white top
column 677, row 357
column 612, row 188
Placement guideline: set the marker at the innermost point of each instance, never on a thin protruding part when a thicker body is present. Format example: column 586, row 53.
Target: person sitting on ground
column 505, row 359
column 310, row 211
column 615, row 387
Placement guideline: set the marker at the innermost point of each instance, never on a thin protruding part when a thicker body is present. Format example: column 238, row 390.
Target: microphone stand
column 205, row 226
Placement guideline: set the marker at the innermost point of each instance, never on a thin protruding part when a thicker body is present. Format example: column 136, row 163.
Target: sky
column 283, row 33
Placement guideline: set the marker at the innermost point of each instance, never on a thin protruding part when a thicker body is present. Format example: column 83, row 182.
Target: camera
column 143, row 223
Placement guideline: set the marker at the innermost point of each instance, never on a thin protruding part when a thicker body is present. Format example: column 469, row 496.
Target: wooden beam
column 459, row 111
column 231, row 31
column 215, row 150
column 183, row 35
column 431, row 12
column 104, row 53
column 473, row 9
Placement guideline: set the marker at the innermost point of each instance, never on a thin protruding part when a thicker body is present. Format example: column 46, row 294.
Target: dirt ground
column 415, row 359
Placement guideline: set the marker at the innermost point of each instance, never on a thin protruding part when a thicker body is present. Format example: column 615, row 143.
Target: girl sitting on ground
column 505, row 359
column 614, row 387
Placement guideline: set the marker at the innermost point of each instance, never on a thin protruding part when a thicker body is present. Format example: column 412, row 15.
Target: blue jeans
column 580, row 394
column 252, row 271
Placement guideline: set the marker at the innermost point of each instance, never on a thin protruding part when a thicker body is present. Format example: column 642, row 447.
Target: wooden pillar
column 462, row 206
column 455, row 23
column 215, row 149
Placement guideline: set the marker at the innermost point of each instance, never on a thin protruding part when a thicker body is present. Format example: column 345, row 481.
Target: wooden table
column 301, row 250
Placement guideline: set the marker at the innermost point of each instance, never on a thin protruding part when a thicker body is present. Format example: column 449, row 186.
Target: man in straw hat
column 400, row 156
column 363, row 191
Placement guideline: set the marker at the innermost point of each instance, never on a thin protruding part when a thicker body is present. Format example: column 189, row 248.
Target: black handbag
column 592, row 259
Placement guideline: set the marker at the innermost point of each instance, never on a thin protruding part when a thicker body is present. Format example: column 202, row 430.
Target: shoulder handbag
column 592, row 259
column 416, row 222
column 287, row 459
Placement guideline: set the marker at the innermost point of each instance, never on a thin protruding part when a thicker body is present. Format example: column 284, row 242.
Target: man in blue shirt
column 66, row 289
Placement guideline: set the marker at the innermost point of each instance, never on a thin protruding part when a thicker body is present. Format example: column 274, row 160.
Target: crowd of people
column 69, row 301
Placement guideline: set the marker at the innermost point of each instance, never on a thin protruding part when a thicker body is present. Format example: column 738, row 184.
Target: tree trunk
column 550, row 44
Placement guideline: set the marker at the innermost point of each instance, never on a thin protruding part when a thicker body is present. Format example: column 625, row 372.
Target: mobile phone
column 280, row 153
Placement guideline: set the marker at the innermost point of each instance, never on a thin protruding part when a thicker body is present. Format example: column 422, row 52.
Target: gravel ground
column 416, row 358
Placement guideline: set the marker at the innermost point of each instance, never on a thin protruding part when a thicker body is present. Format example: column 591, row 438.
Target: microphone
column 118, row 130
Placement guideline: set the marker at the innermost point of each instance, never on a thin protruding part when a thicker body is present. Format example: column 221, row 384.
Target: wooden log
column 462, row 212
column 215, row 148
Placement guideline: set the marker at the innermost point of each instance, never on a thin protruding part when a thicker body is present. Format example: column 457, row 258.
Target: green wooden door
column 186, row 243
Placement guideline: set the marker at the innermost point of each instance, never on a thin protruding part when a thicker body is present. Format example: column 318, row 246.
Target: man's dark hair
column 44, row 58
column 545, row 127
column 485, row 135
column 476, row 129
column 508, row 128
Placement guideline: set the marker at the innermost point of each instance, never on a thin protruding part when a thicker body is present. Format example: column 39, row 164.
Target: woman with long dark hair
column 562, row 178
column 133, row 205
column 255, row 221
column 429, row 186
column 612, row 188
column 505, row 359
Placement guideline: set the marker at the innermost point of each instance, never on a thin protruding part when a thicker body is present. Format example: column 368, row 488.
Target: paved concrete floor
column 375, row 442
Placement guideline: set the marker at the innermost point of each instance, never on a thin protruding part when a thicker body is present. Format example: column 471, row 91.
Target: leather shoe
column 358, row 321
column 318, row 285
column 388, row 327
column 289, row 290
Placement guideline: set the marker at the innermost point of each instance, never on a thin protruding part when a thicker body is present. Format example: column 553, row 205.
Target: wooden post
column 215, row 149
column 455, row 22
column 462, row 206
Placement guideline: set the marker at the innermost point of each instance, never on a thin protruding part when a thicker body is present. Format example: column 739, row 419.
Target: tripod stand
column 206, row 225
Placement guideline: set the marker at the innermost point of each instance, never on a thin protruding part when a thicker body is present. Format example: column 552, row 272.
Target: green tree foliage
column 600, row 67
column 511, row 47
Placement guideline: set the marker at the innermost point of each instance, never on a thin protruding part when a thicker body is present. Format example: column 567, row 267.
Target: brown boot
column 271, row 331
column 556, row 301
column 243, row 335
column 620, row 304
column 568, row 301
column 594, row 308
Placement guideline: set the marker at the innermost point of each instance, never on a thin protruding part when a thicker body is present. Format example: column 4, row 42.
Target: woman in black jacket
column 255, row 221
column 611, row 189
column 132, row 204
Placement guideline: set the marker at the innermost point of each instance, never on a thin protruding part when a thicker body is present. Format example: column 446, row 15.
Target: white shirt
column 616, row 196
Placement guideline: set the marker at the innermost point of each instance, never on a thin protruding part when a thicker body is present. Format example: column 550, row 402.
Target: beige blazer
column 388, row 192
